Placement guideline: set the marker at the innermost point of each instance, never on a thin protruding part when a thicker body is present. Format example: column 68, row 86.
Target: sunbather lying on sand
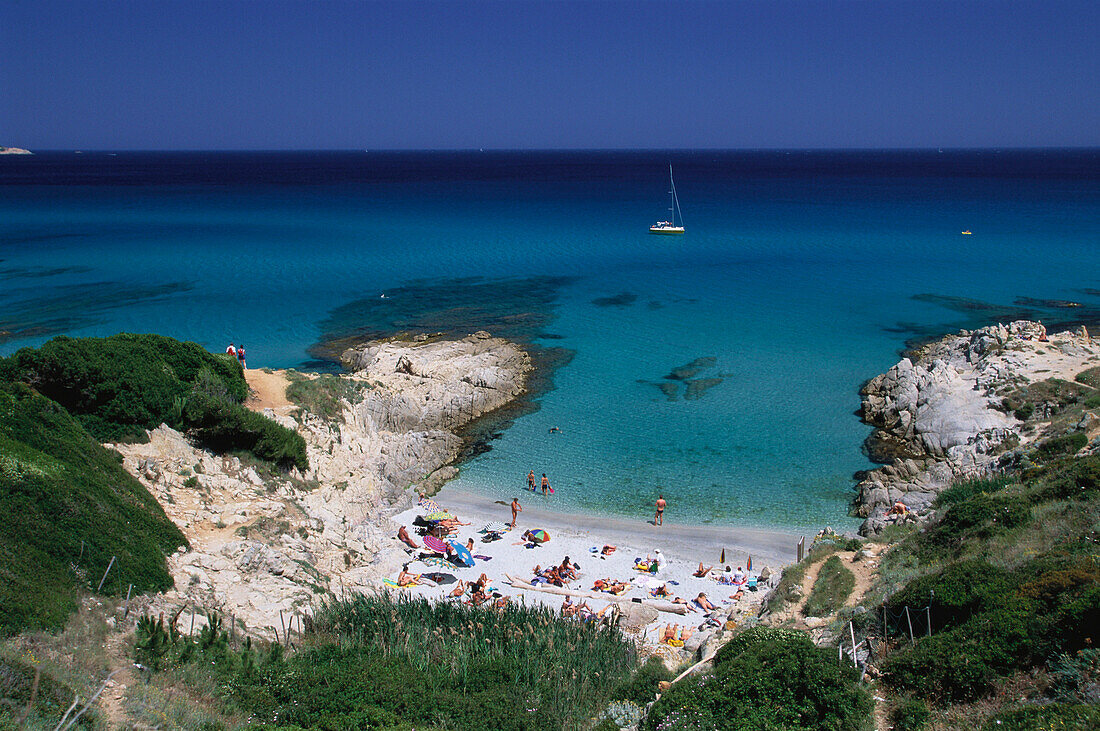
column 702, row 572
column 403, row 536
column 704, row 603
column 662, row 591
column 407, row 579
column 459, row 590
column 611, row 586
column 608, row 550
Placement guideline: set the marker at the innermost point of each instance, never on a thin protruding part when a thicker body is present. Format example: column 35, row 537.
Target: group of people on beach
column 237, row 352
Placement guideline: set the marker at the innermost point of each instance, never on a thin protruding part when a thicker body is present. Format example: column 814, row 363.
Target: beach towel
column 391, row 582
column 479, row 557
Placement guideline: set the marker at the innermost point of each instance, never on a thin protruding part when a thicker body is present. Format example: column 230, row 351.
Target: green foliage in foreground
column 51, row 699
column 381, row 662
column 68, row 507
column 118, row 387
column 831, row 589
column 1060, row 716
column 1012, row 574
column 779, row 681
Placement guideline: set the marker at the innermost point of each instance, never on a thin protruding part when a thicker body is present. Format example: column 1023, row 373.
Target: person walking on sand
column 531, row 480
column 240, row 357
column 659, row 518
column 516, row 510
column 545, row 483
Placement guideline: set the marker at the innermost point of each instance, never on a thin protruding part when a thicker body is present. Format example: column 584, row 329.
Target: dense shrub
column 383, row 662
column 118, row 387
column 752, row 637
column 773, row 684
column 50, row 701
column 955, row 593
column 1069, row 478
column 324, row 395
column 1089, row 377
column 641, row 687
column 69, row 507
column 1063, row 445
column 967, row 489
column 1061, row 716
column 911, row 715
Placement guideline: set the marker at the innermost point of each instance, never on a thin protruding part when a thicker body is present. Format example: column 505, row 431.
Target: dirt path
column 110, row 703
column 268, row 390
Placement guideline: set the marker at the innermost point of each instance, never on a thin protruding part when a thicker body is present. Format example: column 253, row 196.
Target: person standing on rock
column 531, row 480
column 659, row 518
column 516, row 510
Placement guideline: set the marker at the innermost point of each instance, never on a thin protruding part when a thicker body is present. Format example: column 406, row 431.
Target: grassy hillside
column 120, row 386
column 68, row 507
column 1010, row 571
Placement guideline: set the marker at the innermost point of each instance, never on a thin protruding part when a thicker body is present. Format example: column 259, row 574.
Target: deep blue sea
column 801, row 275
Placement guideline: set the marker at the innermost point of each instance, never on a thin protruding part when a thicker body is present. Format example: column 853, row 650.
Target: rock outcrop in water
column 942, row 414
column 263, row 543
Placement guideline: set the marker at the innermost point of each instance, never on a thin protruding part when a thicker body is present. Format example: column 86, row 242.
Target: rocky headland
column 265, row 544
column 14, row 151
column 968, row 406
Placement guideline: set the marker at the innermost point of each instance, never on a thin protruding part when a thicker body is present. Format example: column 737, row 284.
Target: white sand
column 682, row 546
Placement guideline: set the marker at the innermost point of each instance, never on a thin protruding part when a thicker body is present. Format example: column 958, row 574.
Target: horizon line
column 1076, row 148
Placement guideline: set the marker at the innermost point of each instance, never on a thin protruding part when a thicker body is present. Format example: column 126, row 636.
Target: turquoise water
column 797, row 279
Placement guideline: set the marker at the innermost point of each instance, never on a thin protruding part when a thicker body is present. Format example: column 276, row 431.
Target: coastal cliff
column 264, row 543
column 961, row 407
column 14, row 151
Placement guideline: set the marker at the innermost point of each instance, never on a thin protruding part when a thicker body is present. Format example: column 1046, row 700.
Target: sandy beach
column 581, row 538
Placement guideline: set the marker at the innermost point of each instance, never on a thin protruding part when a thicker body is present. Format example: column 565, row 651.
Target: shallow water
column 800, row 276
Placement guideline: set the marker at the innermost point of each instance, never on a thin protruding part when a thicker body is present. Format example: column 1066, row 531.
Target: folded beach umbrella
column 495, row 527
column 748, row 566
column 438, row 515
column 434, row 544
column 540, row 536
column 462, row 556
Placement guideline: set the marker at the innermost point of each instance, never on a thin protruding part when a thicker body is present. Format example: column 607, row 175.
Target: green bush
column 967, row 489
column 118, row 387
column 641, row 687
column 752, row 637
column 911, row 715
column 773, row 684
column 956, row 593
column 52, row 700
column 378, row 662
column 1090, row 377
column 1061, row 716
column 1063, row 445
column 69, row 508
column 834, row 584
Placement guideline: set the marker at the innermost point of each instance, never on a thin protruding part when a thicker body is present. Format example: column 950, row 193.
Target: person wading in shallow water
column 659, row 518
column 531, row 480
column 545, row 483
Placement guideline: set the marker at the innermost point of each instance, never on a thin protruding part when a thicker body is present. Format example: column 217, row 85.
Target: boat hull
column 667, row 231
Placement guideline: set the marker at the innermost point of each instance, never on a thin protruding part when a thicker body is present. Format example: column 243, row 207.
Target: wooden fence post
column 910, row 621
column 112, row 563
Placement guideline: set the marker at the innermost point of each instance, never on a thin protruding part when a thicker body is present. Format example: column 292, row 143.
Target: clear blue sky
column 274, row 74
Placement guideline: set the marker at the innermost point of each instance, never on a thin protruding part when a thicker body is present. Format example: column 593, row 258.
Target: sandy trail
column 268, row 390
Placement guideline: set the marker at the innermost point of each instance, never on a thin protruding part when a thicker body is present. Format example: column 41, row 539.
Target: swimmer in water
column 555, row 430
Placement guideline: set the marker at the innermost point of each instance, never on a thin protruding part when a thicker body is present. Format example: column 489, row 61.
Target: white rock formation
column 262, row 544
column 938, row 418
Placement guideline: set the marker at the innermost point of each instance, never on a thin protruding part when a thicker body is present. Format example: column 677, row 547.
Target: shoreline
column 684, row 541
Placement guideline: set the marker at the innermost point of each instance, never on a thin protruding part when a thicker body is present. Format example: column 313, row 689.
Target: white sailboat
column 670, row 227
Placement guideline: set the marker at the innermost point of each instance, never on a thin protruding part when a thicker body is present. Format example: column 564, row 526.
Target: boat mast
column 675, row 203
